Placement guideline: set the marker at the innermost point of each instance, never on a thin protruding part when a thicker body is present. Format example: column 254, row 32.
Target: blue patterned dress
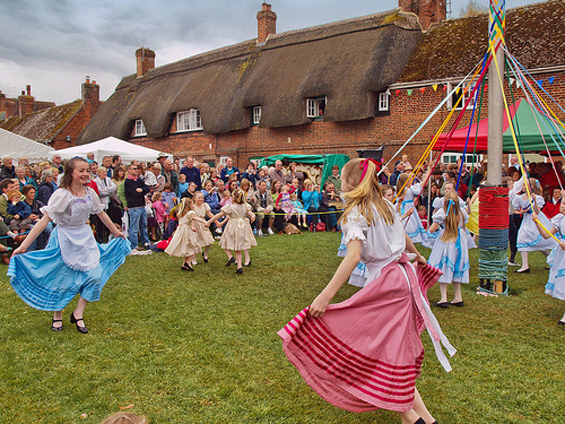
column 556, row 283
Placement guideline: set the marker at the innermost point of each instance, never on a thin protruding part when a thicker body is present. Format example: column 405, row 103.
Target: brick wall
column 407, row 113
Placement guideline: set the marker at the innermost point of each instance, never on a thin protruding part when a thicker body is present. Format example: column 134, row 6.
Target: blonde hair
column 238, row 196
column 535, row 186
column 366, row 192
column 184, row 207
column 157, row 196
column 452, row 217
column 124, row 418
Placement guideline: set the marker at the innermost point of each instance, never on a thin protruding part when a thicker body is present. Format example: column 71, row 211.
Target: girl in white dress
column 238, row 235
column 407, row 208
column 184, row 243
column 205, row 238
column 450, row 253
column 556, row 283
column 529, row 238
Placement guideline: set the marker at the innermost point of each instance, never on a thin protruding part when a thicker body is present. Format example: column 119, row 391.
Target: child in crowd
column 423, row 215
column 300, row 212
column 238, row 235
column 529, row 239
column 160, row 210
column 556, row 283
column 184, row 243
column 226, row 198
column 170, row 199
column 183, row 185
column 21, row 211
column 284, row 202
column 388, row 192
column 450, row 252
column 205, row 238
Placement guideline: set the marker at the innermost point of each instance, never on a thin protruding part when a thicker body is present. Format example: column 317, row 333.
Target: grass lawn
column 202, row 347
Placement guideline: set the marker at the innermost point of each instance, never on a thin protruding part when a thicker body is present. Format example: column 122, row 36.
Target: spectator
column 192, row 173
column 229, row 170
column 219, row 169
column 106, row 187
column 385, row 175
column 329, row 197
column 161, row 158
column 233, row 184
column 277, row 173
column 263, row 176
column 262, row 206
column 204, row 173
column 116, row 163
column 213, row 175
column 90, row 157
column 56, row 177
column 23, row 161
column 118, row 202
column 107, row 164
column 93, row 169
column 190, row 191
column 335, row 179
column 135, row 191
column 276, row 190
column 22, row 178
column 551, row 208
column 294, row 174
column 157, row 169
column 170, row 175
column 312, row 200
column 7, row 169
column 398, row 169
column 7, row 185
column 57, row 162
column 45, row 188
column 248, row 190
column 250, row 174
column 183, row 185
column 29, row 192
column 20, row 212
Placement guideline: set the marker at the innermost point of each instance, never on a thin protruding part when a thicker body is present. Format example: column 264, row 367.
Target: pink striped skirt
column 365, row 353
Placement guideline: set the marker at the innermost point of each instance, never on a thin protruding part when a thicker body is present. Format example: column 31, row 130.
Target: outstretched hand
column 18, row 251
column 319, row 306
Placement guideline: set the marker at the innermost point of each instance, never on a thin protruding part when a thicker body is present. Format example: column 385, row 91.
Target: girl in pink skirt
column 365, row 353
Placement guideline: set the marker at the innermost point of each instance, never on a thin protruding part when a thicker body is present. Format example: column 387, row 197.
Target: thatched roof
column 43, row 126
column 347, row 61
column 535, row 35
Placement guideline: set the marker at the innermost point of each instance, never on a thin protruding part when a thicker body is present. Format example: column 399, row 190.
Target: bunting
column 434, row 87
column 409, row 92
column 423, row 90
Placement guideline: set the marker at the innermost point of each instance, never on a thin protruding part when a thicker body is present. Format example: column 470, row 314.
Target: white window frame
column 313, row 107
column 256, row 115
column 449, row 158
column 140, row 129
column 384, row 102
column 189, row 120
column 451, row 101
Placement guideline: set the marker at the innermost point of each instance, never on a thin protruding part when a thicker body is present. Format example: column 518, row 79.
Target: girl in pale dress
column 556, row 283
column 238, row 235
column 450, row 253
column 365, row 353
column 529, row 238
column 72, row 262
column 407, row 208
column 184, row 243
column 205, row 238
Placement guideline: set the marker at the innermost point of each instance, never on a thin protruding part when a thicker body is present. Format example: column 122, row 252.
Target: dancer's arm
column 35, row 231
column 215, row 218
column 410, row 247
column 320, row 304
column 545, row 234
column 103, row 216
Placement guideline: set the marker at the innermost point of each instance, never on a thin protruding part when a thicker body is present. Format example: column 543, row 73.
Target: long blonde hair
column 452, row 217
column 366, row 193
column 185, row 207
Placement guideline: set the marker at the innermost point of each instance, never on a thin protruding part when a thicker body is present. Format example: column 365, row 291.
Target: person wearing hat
column 161, row 158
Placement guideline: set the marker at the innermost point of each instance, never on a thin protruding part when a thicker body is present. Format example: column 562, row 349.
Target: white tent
column 17, row 146
column 109, row 147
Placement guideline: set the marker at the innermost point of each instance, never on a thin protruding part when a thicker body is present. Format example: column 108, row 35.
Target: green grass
column 202, row 347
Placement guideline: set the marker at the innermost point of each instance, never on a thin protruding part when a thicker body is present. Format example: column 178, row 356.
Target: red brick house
column 19, row 106
column 58, row 126
column 327, row 89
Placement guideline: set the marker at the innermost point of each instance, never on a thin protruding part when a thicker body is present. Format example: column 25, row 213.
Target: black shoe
column 442, row 305
column 459, row 304
column 205, row 258
column 57, row 328
column 239, row 271
column 186, row 267
column 248, row 263
column 526, row 271
column 81, row 329
column 420, row 421
column 560, row 322
column 230, row 261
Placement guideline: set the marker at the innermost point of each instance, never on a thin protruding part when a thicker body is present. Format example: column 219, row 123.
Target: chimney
column 266, row 23
column 90, row 91
column 428, row 11
column 145, row 61
column 26, row 102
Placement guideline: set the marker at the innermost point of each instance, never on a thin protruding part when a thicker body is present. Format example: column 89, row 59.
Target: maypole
column 493, row 198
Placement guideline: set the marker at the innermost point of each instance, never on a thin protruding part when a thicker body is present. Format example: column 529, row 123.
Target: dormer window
column 458, row 96
column 383, row 104
column 140, row 130
column 189, row 120
column 256, row 115
column 315, row 107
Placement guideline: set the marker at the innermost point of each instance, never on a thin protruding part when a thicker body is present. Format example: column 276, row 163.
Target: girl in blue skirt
column 72, row 262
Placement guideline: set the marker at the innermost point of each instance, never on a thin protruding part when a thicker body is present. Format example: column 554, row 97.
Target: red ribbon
column 364, row 165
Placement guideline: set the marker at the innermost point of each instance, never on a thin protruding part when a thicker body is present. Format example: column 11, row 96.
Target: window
column 384, row 102
column 189, row 121
column 458, row 94
column 256, row 115
column 468, row 159
column 315, row 107
column 139, row 128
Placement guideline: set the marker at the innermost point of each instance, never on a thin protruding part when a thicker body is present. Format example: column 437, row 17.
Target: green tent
column 326, row 161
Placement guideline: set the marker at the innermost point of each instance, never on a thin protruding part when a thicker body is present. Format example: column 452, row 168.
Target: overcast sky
column 54, row 44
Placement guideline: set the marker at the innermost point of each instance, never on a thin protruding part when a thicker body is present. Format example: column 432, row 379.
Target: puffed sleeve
column 465, row 217
column 556, row 220
column 206, row 207
column 437, row 204
column 248, row 207
column 439, row 216
column 58, row 202
column 540, row 201
column 227, row 210
column 516, row 202
column 96, row 205
column 416, row 188
column 355, row 227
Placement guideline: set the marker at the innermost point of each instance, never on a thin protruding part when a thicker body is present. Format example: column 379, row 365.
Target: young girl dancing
column 529, row 239
column 556, row 283
column 72, row 262
column 407, row 204
column 184, row 243
column 205, row 238
column 450, row 252
column 365, row 353
column 238, row 235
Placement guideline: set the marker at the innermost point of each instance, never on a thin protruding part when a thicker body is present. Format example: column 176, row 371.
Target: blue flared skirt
column 43, row 281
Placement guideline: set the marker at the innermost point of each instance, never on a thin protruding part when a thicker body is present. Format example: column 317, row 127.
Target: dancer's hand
column 421, row 260
column 534, row 216
column 119, row 234
column 18, row 251
column 562, row 245
column 319, row 306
